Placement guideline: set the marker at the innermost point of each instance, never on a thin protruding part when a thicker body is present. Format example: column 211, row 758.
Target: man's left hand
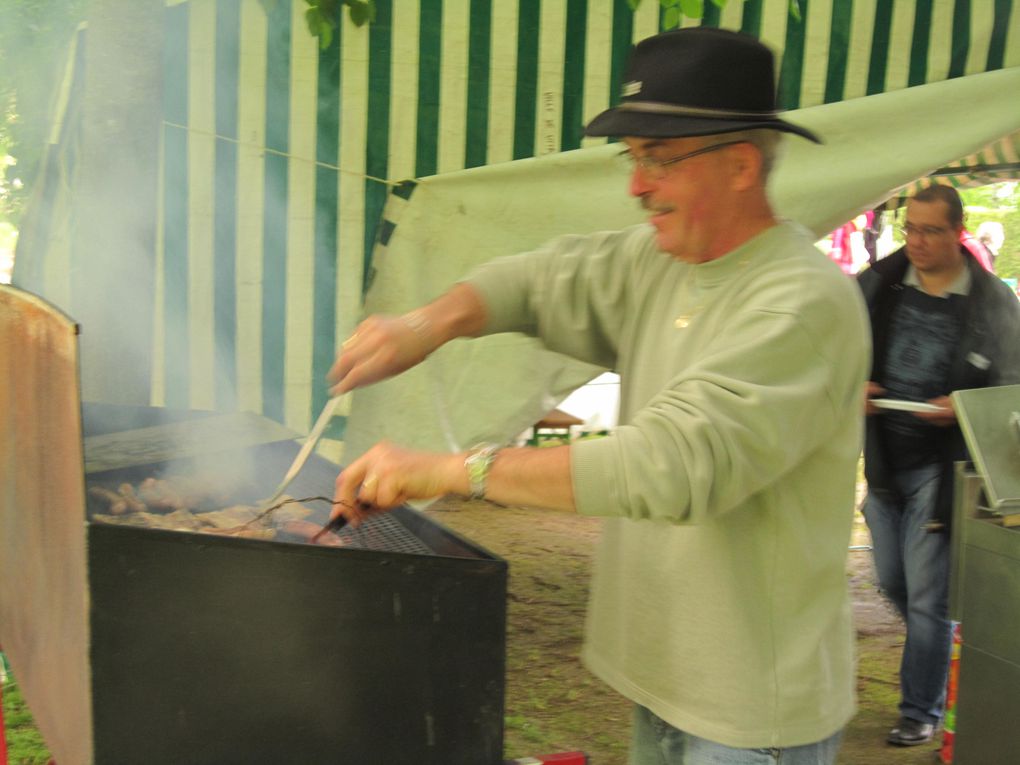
column 946, row 415
column 388, row 475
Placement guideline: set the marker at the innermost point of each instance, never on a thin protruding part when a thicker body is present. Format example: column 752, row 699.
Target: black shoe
column 910, row 732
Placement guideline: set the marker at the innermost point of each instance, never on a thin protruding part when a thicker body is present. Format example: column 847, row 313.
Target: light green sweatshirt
column 719, row 596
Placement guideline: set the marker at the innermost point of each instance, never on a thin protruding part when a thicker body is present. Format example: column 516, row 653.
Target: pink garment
column 975, row 248
column 841, row 250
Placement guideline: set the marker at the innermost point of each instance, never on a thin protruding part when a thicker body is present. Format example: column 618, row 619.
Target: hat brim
column 619, row 123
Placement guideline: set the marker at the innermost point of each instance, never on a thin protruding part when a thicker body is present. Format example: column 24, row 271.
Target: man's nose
column 639, row 184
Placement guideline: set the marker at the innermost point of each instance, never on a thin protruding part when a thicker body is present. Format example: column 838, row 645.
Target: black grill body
column 215, row 649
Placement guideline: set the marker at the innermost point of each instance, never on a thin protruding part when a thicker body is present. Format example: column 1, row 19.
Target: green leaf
column 795, row 10
column 316, row 24
column 668, row 3
column 694, row 9
column 312, row 19
column 330, row 10
column 671, row 18
column 719, row 3
column 359, row 12
column 633, row 4
column 325, row 37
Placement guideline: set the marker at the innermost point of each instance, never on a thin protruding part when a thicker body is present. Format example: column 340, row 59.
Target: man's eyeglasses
column 925, row 232
column 655, row 169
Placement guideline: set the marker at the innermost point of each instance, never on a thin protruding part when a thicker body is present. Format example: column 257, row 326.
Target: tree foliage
column 674, row 11
column 998, row 202
column 323, row 17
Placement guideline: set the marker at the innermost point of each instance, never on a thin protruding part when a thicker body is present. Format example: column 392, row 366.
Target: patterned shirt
column 925, row 330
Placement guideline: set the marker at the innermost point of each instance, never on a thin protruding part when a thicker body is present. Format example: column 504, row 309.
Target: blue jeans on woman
column 913, row 572
column 655, row 742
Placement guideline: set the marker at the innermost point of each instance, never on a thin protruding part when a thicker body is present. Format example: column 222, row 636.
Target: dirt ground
column 554, row 705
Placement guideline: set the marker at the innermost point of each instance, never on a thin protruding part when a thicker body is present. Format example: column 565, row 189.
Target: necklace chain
column 683, row 321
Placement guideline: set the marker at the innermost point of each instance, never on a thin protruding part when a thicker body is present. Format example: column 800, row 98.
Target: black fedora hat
column 696, row 81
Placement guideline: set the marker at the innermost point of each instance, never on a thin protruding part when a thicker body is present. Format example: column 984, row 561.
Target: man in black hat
column 719, row 602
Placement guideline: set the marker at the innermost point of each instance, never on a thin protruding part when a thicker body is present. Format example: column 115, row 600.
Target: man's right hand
column 381, row 347
column 872, row 390
column 384, row 346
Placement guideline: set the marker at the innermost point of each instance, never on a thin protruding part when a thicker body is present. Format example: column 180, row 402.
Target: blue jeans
column 655, row 742
column 913, row 572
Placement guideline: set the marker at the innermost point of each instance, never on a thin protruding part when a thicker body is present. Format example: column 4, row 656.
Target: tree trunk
column 115, row 199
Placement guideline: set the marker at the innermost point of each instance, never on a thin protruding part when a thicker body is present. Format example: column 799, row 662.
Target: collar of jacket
column 893, row 267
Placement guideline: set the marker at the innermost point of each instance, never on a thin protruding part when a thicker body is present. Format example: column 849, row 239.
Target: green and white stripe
column 278, row 243
column 279, row 157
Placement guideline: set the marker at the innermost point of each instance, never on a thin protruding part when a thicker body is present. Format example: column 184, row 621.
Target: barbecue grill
column 136, row 644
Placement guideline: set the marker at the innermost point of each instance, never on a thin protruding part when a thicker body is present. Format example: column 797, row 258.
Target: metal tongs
column 334, row 525
column 271, row 503
column 306, row 449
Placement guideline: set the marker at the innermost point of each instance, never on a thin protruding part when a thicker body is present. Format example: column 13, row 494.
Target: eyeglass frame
column 651, row 167
column 925, row 232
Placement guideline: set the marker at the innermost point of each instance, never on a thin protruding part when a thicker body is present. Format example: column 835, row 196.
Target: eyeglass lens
column 925, row 232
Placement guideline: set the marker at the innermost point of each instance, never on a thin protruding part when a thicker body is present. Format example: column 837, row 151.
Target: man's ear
column 746, row 166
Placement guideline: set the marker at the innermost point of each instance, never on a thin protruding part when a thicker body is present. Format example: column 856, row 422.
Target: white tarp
column 496, row 387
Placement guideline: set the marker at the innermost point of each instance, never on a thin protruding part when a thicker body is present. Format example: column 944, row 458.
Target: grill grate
column 384, row 534
column 379, row 532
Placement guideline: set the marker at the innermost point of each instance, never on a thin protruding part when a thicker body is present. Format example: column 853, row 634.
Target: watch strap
column 478, row 463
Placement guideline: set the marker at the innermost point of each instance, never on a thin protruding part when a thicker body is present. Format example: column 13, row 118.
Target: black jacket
column 988, row 354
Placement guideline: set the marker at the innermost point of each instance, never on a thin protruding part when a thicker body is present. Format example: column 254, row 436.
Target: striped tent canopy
column 998, row 163
column 279, row 155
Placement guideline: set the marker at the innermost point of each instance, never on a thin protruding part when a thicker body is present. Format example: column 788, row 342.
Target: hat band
column 656, row 107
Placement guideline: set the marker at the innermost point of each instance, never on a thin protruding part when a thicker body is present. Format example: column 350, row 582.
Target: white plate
column 905, row 406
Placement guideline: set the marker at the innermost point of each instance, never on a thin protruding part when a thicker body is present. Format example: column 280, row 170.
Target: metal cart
column 985, row 584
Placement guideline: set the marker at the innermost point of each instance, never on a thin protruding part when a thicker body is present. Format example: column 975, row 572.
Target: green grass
column 24, row 744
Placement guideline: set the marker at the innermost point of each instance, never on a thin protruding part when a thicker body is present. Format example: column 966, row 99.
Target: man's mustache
column 649, row 205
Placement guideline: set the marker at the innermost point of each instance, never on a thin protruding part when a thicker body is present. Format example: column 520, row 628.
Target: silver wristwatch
column 478, row 462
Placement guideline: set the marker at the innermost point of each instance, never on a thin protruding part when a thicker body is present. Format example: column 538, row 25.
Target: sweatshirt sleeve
column 570, row 294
